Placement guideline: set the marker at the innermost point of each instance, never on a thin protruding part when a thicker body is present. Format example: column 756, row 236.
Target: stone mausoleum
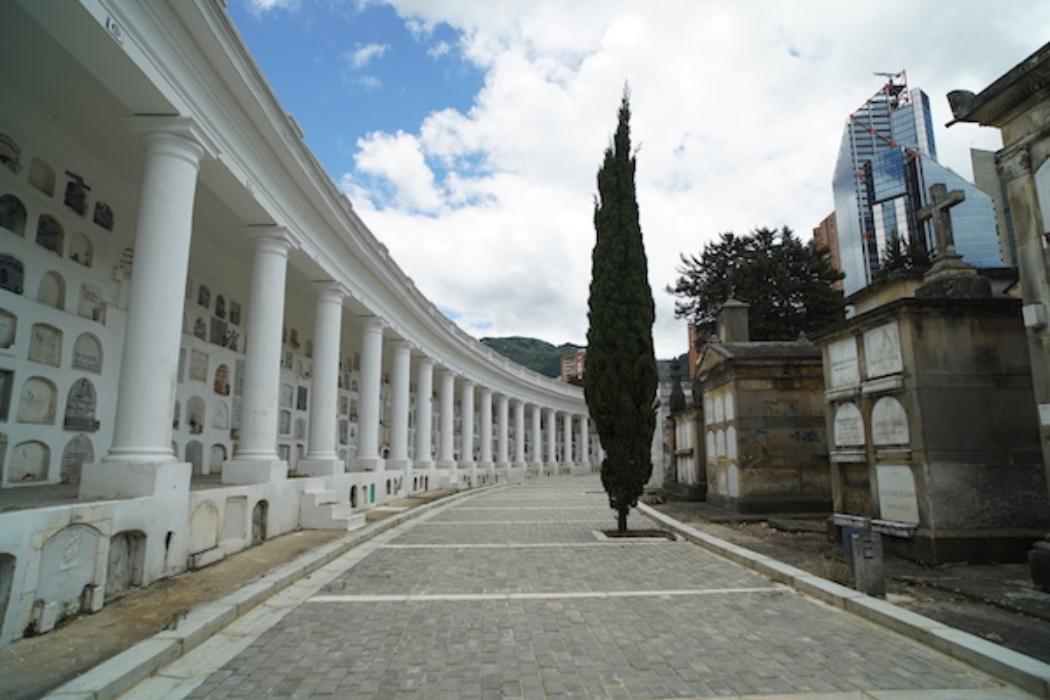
column 201, row 344
column 762, row 419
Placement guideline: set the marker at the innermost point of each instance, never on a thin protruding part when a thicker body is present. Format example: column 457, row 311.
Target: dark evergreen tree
column 787, row 283
column 897, row 257
column 621, row 378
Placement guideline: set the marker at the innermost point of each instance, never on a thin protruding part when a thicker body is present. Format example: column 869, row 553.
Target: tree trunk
column 621, row 519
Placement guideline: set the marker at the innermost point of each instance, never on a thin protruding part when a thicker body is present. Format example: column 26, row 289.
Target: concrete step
column 321, row 511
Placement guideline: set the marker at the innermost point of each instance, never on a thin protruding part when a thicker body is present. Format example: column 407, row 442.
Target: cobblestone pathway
column 511, row 594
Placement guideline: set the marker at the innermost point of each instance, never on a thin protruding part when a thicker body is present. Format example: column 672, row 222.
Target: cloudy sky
column 468, row 134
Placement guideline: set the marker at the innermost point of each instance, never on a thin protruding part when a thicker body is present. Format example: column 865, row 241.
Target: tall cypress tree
column 620, row 381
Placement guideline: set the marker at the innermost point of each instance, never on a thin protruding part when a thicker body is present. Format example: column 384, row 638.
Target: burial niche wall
column 78, row 451
column 81, row 405
column 67, row 565
column 127, row 556
column 52, row 290
column 45, row 345
column 13, row 214
column 87, row 353
column 50, row 235
column 30, row 461
column 37, row 401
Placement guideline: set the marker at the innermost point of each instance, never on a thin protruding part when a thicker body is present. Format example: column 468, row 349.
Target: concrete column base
column 518, row 465
column 397, row 465
column 254, row 471
column 320, row 467
column 366, row 464
column 104, row 480
column 471, row 465
column 445, row 464
column 485, row 465
column 423, row 465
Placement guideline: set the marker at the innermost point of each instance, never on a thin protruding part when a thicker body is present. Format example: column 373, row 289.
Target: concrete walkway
column 511, row 593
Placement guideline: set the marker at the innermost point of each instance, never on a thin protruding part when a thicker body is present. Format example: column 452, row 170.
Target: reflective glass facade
column 886, row 165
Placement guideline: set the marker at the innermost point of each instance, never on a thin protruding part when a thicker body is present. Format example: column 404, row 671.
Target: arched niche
column 87, row 353
column 848, row 427
column 10, row 158
column 12, row 274
column 103, row 215
column 52, row 290
column 45, row 344
column 36, row 403
column 76, row 194
column 78, row 451
column 127, row 557
column 81, row 250
column 81, row 405
column 30, row 461
column 91, row 304
column 260, row 521
column 221, row 385
column 195, row 455
column 220, row 306
column 13, row 214
column 216, row 456
column 889, row 422
column 42, row 176
column 8, row 328
column 67, row 565
column 50, row 235
column 195, row 415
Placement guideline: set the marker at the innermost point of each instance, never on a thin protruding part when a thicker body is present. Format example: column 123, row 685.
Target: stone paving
column 511, row 594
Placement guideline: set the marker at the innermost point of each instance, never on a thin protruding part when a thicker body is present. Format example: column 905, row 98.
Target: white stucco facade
column 201, row 344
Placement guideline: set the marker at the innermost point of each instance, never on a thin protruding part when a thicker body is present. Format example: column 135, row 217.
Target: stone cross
column 937, row 209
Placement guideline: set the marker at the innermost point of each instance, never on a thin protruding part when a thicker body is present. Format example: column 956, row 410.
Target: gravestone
column 37, row 402
column 842, row 361
column 849, row 426
column 29, row 462
column 127, row 556
column 87, row 353
column 45, row 345
column 869, row 565
column 78, row 451
column 889, row 422
column 81, row 405
column 235, row 518
column 67, row 565
column 8, row 328
column 204, row 528
column 198, row 366
column 52, row 291
column 882, row 351
column 897, row 498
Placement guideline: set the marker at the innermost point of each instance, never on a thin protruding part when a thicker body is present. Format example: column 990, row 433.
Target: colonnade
column 141, row 457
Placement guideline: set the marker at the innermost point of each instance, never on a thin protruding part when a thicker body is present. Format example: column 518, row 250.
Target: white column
column 466, row 431
column 519, row 434
column 585, row 441
column 567, row 444
column 485, row 420
column 424, row 412
column 502, row 404
column 321, row 458
column 370, row 386
column 552, row 439
column 537, row 436
column 142, row 424
column 256, row 460
column 446, row 447
column 400, row 366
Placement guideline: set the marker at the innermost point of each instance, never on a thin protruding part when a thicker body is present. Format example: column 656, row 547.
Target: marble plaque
column 842, row 359
column 87, row 353
column 849, row 426
column 889, row 422
column 198, row 366
column 882, row 351
column 897, row 499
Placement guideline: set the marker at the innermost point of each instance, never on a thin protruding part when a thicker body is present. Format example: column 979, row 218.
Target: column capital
column 399, row 345
column 271, row 237
column 182, row 134
column 373, row 324
column 423, row 359
column 327, row 290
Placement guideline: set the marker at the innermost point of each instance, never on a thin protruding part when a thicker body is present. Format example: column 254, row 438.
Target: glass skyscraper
column 887, row 163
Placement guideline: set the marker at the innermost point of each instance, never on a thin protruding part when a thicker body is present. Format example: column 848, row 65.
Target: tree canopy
column 621, row 377
column 787, row 283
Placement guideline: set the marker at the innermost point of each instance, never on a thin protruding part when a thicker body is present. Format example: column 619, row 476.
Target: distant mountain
column 537, row 355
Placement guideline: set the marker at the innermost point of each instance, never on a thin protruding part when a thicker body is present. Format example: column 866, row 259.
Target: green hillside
column 533, row 353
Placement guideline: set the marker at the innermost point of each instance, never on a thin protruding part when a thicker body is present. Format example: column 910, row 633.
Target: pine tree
column 620, row 381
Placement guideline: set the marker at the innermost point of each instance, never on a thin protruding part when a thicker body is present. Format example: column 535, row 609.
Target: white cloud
column 363, row 55
column 259, row 7
column 737, row 109
column 439, row 49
